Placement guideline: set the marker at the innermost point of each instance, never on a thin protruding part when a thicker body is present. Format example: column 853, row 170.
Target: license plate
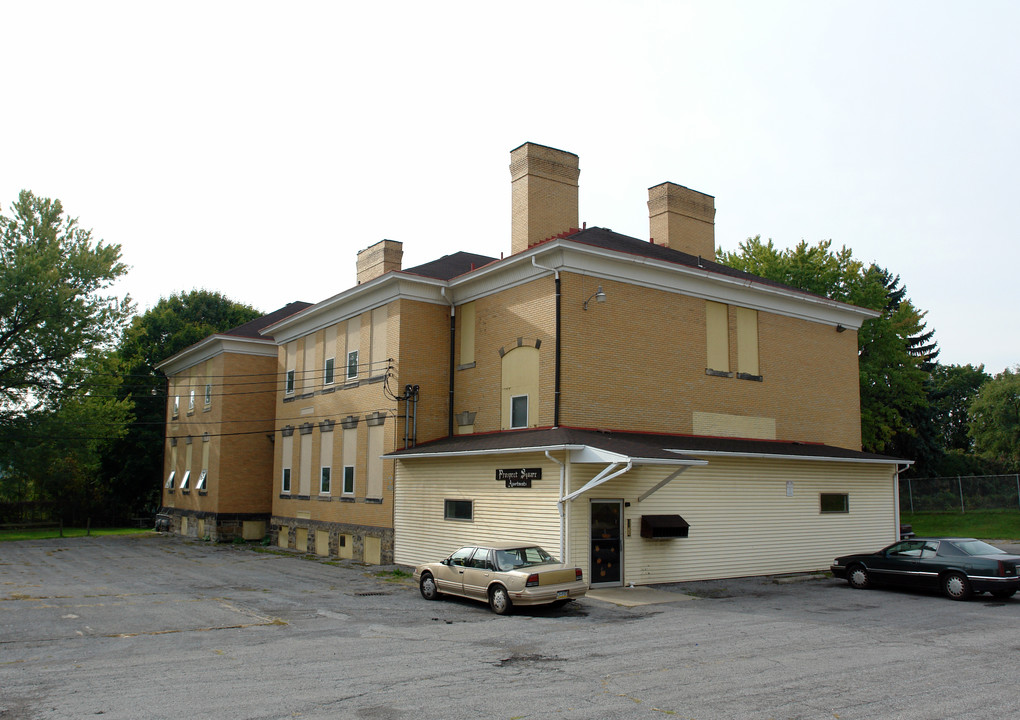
column 562, row 594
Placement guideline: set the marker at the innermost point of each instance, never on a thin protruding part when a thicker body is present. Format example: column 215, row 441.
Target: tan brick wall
column 638, row 362
column 527, row 312
column 238, row 421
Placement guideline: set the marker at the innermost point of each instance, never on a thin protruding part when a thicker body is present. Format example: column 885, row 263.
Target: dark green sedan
column 959, row 567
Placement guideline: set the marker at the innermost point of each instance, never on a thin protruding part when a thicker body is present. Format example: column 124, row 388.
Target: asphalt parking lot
column 154, row 626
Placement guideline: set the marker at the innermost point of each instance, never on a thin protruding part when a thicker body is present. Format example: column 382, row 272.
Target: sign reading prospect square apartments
column 518, row 477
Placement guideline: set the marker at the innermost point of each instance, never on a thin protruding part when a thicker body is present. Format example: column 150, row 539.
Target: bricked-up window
column 519, row 411
column 717, row 336
column 327, row 374
column 458, row 509
column 348, row 480
column 835, row 502
column 747, row 342
column 324, row 481
column 285, row 485
column 352, row 364
column 289, row 383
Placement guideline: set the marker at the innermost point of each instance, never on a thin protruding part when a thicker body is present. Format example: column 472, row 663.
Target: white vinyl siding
column 420, row 532
column 742, row 521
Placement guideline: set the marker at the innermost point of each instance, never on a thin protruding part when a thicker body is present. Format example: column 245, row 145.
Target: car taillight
column 532, row 580
column 578, row 575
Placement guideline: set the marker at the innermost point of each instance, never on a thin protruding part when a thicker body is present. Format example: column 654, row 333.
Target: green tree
column 995, row 419
column 896, row 351
column 55, row 319
column 134, row 463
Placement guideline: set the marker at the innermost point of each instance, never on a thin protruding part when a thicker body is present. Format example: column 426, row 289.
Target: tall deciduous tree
column 54, row 316
column 895, row 350
column 995, row 419
column 134, row 463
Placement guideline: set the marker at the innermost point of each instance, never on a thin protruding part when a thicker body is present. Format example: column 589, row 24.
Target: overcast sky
column 253, row 148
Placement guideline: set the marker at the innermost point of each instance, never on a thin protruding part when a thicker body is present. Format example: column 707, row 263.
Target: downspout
column 453, row 337
column 563, row 508
column 556, row 381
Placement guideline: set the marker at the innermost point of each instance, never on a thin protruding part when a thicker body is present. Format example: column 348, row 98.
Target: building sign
column 519, row 477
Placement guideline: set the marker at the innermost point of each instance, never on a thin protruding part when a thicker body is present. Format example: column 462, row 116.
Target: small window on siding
column 835, row 503
column 458, row 509
column 519, row 411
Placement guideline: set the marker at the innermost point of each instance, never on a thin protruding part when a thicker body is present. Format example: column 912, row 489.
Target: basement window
column 834, row 503
column 458, row 510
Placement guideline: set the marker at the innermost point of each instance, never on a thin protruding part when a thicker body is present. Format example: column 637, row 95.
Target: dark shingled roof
column 251, row 329
column 450, row 266
column 609, row 240
column 636, row 445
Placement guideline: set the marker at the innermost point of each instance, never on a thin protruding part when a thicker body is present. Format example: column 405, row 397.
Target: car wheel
column 1003, row 594
column 956, row 586
column 499, row 600
column 858, row 577
column 428, row 587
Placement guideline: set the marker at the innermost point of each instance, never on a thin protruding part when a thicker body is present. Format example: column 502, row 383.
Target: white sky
column 253, row 148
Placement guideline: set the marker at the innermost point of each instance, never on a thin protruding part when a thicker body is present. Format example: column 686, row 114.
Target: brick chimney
column 378, row 259
column 682, row 219
column 543, row 183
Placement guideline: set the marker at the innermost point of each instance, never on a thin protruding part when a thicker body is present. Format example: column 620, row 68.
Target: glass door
column 606, row 542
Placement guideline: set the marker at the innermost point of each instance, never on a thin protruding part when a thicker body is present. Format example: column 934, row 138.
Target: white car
column 503, row 576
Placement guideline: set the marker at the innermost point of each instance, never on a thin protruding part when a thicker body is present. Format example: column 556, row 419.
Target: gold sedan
column 503, row 576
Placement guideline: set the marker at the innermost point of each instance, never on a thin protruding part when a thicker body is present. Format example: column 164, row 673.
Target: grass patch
column 46, row 533
column 982, row 524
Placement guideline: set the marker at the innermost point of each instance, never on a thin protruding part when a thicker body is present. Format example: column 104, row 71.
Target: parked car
column 959, row 567
column 502, row 575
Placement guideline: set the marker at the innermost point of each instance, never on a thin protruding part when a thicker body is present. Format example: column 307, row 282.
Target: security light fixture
column 599, row 296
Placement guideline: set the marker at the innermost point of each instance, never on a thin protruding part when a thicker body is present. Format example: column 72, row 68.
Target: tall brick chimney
column 543, row 183
column 682, row 219
column 378, row 259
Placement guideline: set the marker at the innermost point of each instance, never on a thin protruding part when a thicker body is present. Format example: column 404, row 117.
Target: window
column 208, row 394
column 200, row 485
column 185, row 480
column 285, row 487
column 289, row 384
column 352, row 364
column 170, row 480
column 519, row 411
column 348, row 480
column 458, row 509
column 835, row 503
column 328, row 373
column 191, row 400
column 324, row 481
column 177, row 405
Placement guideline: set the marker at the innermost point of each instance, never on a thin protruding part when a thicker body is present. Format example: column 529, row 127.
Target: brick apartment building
column 631, row 405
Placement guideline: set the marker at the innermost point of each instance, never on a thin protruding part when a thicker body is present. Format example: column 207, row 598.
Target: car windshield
column 977, row 547
column 522, row 557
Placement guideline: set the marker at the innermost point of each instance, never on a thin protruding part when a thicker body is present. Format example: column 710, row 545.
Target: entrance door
column 606, row 542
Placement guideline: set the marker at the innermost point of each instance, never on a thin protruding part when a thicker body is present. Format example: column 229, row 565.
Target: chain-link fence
column 960, row 494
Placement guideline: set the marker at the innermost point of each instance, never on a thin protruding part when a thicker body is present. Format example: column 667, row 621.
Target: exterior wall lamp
column 598, row 296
